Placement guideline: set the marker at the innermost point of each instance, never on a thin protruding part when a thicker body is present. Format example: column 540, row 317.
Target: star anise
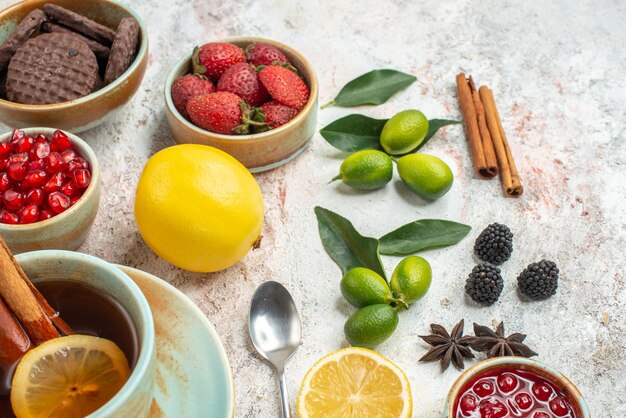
column 496, row 345
column 448, row 347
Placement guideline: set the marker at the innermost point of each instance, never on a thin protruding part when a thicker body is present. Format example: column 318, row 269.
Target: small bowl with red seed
column 49, row 189
column 253, row 98
column 514, row 387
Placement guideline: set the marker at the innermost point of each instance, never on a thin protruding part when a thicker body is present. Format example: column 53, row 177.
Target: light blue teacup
column 135, row 397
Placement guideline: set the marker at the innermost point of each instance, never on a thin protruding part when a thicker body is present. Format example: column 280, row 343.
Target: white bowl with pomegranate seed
column 257, row 151
column 49, row 189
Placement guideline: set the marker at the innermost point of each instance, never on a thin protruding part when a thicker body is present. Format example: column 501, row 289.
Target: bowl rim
column 141, row 53
column 148, row 336
column 85, row 152
column 313, row 92
column 477, row 368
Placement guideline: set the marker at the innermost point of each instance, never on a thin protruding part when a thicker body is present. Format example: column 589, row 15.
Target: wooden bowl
column 89, row 111
column 521, row 363
column 258, row 152
column 67, row 230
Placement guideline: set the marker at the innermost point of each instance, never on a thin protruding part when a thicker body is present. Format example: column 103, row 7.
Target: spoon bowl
column 275, row 329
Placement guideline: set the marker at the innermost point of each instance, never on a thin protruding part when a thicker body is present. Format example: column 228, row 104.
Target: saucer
column 194, row 378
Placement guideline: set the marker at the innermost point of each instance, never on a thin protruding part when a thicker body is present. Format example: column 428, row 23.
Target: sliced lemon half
column 354, row 383
column 68, row 377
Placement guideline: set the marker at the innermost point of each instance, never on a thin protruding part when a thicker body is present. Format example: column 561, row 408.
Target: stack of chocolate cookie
column 55, row 55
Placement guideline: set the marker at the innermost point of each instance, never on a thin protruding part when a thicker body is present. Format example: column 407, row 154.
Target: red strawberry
column 221, row 112
column 285, row 86
column 277, row 114
column 188, row 86
column 265, row 54
column 214, row 58
column 242, row 79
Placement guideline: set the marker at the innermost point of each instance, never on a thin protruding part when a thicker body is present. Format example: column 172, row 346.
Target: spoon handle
column 283, row 394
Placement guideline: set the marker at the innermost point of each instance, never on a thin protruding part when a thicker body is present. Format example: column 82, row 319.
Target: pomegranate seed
column 40, row 138
column 493, row 408
column 523, row 400
column 5, row 182
column 507, row 382
column 81, row 178
column 558, row 406
column 483, row 388
column 36, row 165
column 24, row 144
column 4, row 164
column 16, row 135
column 55, row 183
column 68, row 155
column 17, row 171
column 40, row 150
column 29, row 214
column 60, row 140
column 35, row 196
column 5, row 149
column 18, row 158
column 542, row 391
column 55, row 163
column 13, row 200
column 35, row 178
column 45, row 214
column 58, row 202
column 77, row 163
column 8, row 217
column 468, row 404
column 541, row 415
column 69, row 189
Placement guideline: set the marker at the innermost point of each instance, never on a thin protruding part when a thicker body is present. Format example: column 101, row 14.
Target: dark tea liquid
column 86, row 311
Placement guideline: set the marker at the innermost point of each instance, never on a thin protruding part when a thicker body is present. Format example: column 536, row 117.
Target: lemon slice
column 68, row 377
column 354, row 383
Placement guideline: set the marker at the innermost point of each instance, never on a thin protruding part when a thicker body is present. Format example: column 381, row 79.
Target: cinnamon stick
column 470, row 121
column 21, row 301
column 14, row 342
column 490, row 156
column 510, row 177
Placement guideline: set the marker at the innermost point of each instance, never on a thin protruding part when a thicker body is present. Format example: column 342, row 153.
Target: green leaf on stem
column 433, row 127
column 375, row 87
column 422, row 234
column 345, row 245
column 354, row 133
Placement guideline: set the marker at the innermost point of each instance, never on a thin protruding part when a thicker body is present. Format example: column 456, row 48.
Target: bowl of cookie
column 68, row 63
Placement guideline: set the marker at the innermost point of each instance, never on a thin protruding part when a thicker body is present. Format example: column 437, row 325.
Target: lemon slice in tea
column 68, row 377
column 354, row 383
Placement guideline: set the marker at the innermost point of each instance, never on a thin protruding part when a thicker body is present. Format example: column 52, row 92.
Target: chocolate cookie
column 100, row 50
column 51, row 68
column 79, row 23
column 123, row 49
column 20, row 34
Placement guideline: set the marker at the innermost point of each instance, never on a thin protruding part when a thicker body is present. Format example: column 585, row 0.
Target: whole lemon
column 198, row 208
column 404, row 132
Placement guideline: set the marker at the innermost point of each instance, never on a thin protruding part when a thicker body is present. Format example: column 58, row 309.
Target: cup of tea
column 96, row 298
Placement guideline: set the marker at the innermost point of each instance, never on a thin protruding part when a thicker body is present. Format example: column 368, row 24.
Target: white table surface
column 557, row 71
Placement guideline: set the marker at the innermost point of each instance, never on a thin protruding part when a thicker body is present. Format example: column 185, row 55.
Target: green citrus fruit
column 362, row 287
column 411, row 279
column 404, row 132
column 366, row 170
column 371, row 325
column 426, row 175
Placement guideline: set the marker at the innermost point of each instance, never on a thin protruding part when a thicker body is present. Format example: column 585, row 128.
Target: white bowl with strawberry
column 251, row 97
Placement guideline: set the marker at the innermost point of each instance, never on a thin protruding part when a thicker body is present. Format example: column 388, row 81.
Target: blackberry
column 539, row 280
column 495, row 244
column 484, row 284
